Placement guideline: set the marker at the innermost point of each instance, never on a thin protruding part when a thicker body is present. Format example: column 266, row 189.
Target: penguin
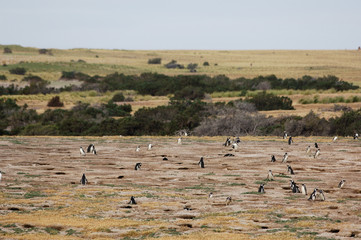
column 137, row 166
column 228, row 155
column 317, row 153
column 227, row 142
column 235, row 146
column 285, row 157
column 295, row 189
column 83, row 180
column 303, row 189
column 82, row 152
column 355, row 136
column 165, row 159
column 284, row 134
column 321, row 195
column 290, row 140
column 238, row 140
column 308, row 149
column 334, row 139
column 261, row 188
column 270, row 175
column 316, row 145
column 94, row 151
column 290, row 170
column 228, row 200
column 187, row 208
column 132, row 200
column 150, row 146
column 312, row 196
column 210, row 195
column 273, row 158
column 292, row 183
column 1, row 175
column 90, row 148
column 342, row 183
column 179, row 140
column 137, row 149
column 201, row 163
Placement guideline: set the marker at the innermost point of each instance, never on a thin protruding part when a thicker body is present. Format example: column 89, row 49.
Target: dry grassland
column 41, row 197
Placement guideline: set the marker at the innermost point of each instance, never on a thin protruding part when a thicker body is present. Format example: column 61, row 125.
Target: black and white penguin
column 292, row 183
column 1, row 175
column 303, row 189
column 334, row 139
column 150, row 146
column 261, row 188
column 228, row 200
column 165, row 159
column 285, row 157
column 273, row 158
column 235, row 146
column 201, row 163
column 342, row 183
column 313, row 195
column 90, row 148
column 321, row 195
column 295, row 188
column 137, row 149
column 132, row 200
column 290, row 170
column 355, row 136
column 284, row 135
column 308, row 149
column 179, row 140
column 82, row 152
column 227, row 142
column 238, row 140
column 316, row 145
column 210, row 195
column 83, row 180
column 290, row 140
column 270, row 175
column 317, row 153
column 137, row 166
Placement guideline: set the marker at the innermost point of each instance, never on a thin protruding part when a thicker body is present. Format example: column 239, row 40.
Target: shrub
column 190, row 93
column 45, row 51
column 206, row 64
column 55, row 102
column 3, row 77
column 18, row 71
column 192, row 67
column 174, row 64
column 119, row 97
column 7, row 50
column 155, row 61
column 267, row 101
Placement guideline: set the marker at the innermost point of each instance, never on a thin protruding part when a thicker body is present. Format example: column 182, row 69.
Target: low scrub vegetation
column 338, row 99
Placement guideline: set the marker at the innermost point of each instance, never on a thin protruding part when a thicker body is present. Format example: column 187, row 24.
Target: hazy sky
column 182, row 24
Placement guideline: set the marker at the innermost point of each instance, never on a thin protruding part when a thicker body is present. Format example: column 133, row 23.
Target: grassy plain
column 345, row 64
column 41, row 197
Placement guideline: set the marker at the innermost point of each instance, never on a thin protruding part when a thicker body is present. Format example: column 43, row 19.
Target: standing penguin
column 137, row 166
column 290, row 170
column 150, row 146
column 342, row 183
column 303, row 189
column 273, row 158
column 90, row 148
column 284, row 134
column 0, row 175
column 137, row 149
column 321, row 195
column 308, row 149
column 261, row 188
column 201, row 163
column 83, row 180
column 179, row 140
column 82, row 152
column 285, row 157
column 355, row 136
column 290, row 140
column 317, row 153
column 270, row 175
column 228, row 200
column 334, row 139
column 316, row 145
column 132, row 200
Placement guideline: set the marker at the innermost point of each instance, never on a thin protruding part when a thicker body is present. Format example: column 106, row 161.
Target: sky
column 182, row 24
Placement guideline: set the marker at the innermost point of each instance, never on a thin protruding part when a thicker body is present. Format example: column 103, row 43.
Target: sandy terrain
column 41, row 197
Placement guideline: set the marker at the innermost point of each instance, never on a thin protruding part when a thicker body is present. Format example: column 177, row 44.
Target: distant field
column 41, row 197
column 345, row 64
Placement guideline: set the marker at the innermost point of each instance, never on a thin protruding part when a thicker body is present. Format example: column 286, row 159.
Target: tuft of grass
column 52, row 230
column 252, row 192
column 33, row 194
column 282, row 176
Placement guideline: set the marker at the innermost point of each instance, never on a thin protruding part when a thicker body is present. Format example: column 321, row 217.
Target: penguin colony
column 317, row 194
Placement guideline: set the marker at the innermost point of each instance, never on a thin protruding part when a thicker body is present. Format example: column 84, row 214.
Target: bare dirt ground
column 41, row 197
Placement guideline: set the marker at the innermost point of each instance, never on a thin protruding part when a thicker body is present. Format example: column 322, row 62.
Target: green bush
column 155, row 61
column 267, row 101
column 7, row 50
column 18, row 71
column 55, row 102
column 119, row 97
column 206, row 64
column 3, row 77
